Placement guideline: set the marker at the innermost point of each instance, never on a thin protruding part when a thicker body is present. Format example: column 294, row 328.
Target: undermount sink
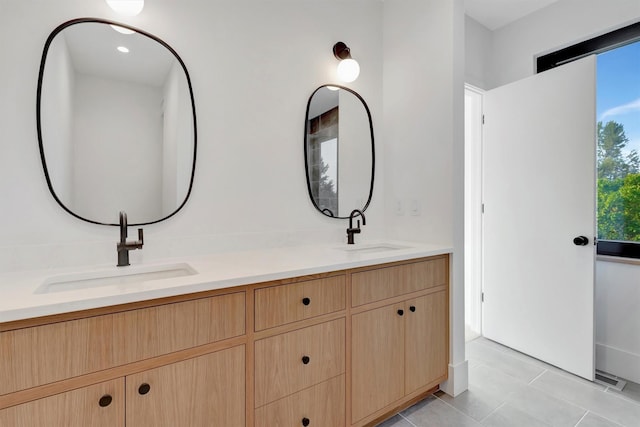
column 373, row 247
column 113, row 276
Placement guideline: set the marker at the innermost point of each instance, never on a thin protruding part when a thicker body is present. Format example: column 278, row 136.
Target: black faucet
column 123, row 246
column 351, row 231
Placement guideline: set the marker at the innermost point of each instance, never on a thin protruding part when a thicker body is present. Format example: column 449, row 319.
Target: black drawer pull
column 144, row 388
column 412, row 308
column 306, row 422
column 400, row 312
column 306, row 360
column 105, row 400
column 306, row 301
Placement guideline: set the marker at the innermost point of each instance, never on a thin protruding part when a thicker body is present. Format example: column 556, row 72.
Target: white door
column 539, row 194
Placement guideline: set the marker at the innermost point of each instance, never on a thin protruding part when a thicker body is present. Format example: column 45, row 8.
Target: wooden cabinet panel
column 426, row 340
column 279, row 366
column 141, row 334
column 387, row 282
column 279, row 305
column 200, row 392
column 44, row 354
column 323, row 405
column 76, row 408
column 377, row 360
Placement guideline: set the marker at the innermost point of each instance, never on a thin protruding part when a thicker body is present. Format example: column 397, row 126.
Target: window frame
column 611, row 40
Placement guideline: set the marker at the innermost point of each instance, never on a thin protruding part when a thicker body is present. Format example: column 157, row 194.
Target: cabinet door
column 377, row 359
column 199, row 392
column 99, row 405
column 426, row 340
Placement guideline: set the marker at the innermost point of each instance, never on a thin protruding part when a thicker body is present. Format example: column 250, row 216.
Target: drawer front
column 288, row 363
column 279, row 305
column 387, row 282
column 322, row 405
column 43, row 354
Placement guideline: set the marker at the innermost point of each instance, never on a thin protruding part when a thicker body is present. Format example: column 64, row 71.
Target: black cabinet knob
column 306, row 421
column 144, row 388
column 306, row 301
column 412, row 308
column 581, row 241
column 306, row 360
column 105, row 400
column 400, row 312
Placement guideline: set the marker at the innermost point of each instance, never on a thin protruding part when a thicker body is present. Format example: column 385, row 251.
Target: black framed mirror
column 116, row 123
column 339, row 151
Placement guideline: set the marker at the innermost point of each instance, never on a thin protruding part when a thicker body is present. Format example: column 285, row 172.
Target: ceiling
column 494, row 14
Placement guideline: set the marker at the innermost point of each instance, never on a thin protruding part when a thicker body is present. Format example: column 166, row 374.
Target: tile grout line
column 492, row 412
column 406, row 419
column 456, row 409
column 544, row 371
column 582, row 418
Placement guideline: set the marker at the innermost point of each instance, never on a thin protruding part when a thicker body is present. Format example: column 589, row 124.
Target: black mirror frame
column 373, row 151
column 45, row 51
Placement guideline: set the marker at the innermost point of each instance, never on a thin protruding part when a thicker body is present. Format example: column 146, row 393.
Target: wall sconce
column 126, row 7
column 348, row 68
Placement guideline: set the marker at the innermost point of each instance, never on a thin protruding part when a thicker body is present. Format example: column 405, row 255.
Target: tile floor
column 511, row 389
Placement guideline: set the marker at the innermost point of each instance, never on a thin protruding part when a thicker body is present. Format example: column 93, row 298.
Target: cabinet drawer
column 279, row 305
column 288, row 363
column 322, row 404
column 387, row 282
column 43, row 354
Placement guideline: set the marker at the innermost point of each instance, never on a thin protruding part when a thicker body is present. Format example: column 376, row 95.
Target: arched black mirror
column 339, row 151
column 116, row 123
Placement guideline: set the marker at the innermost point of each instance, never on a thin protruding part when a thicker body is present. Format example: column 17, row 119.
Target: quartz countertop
column 28, row 294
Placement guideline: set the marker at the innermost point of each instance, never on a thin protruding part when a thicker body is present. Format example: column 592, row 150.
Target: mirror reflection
column 116, row 123
column 339, row 151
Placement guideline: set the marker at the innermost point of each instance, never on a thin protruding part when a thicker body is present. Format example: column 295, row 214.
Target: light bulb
column 126, row 7
column 348, row 70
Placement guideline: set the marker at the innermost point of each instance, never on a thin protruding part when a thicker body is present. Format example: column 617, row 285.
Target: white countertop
column 22, row 296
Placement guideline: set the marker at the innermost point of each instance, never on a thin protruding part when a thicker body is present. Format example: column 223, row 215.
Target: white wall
column 513, row 49
column 559, row 25
column 423, row 134
column 250, row 188
column 477, row 50
column 117, row 162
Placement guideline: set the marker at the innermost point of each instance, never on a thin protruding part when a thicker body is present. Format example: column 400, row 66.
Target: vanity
column 311, row 336
column 322, row 335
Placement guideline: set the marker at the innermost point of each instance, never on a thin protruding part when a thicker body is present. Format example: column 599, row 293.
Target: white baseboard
column 458, row 381
column 618, row 362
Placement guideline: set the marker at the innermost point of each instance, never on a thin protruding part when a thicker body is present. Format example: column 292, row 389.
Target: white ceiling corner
column 494, row 14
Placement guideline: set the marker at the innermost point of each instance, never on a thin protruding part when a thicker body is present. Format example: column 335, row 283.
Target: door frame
column 473, row 224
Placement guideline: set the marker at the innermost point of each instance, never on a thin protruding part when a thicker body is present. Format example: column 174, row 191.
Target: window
column 618, row 132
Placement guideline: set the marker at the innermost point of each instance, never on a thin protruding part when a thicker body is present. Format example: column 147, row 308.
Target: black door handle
column 581, row 241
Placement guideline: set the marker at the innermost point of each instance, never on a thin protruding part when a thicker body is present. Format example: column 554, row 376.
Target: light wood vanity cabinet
column 300, row 371
column 400, row 349
column 346, row 348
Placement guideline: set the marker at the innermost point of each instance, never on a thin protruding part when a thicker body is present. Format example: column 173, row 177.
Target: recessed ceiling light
column 123, row 49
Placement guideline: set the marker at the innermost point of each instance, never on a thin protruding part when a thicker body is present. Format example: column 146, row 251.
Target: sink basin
column 114, row 276
column 373, row 247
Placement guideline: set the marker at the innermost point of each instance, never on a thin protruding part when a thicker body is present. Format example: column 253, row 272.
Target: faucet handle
column 358, row 226
column 140, row 236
